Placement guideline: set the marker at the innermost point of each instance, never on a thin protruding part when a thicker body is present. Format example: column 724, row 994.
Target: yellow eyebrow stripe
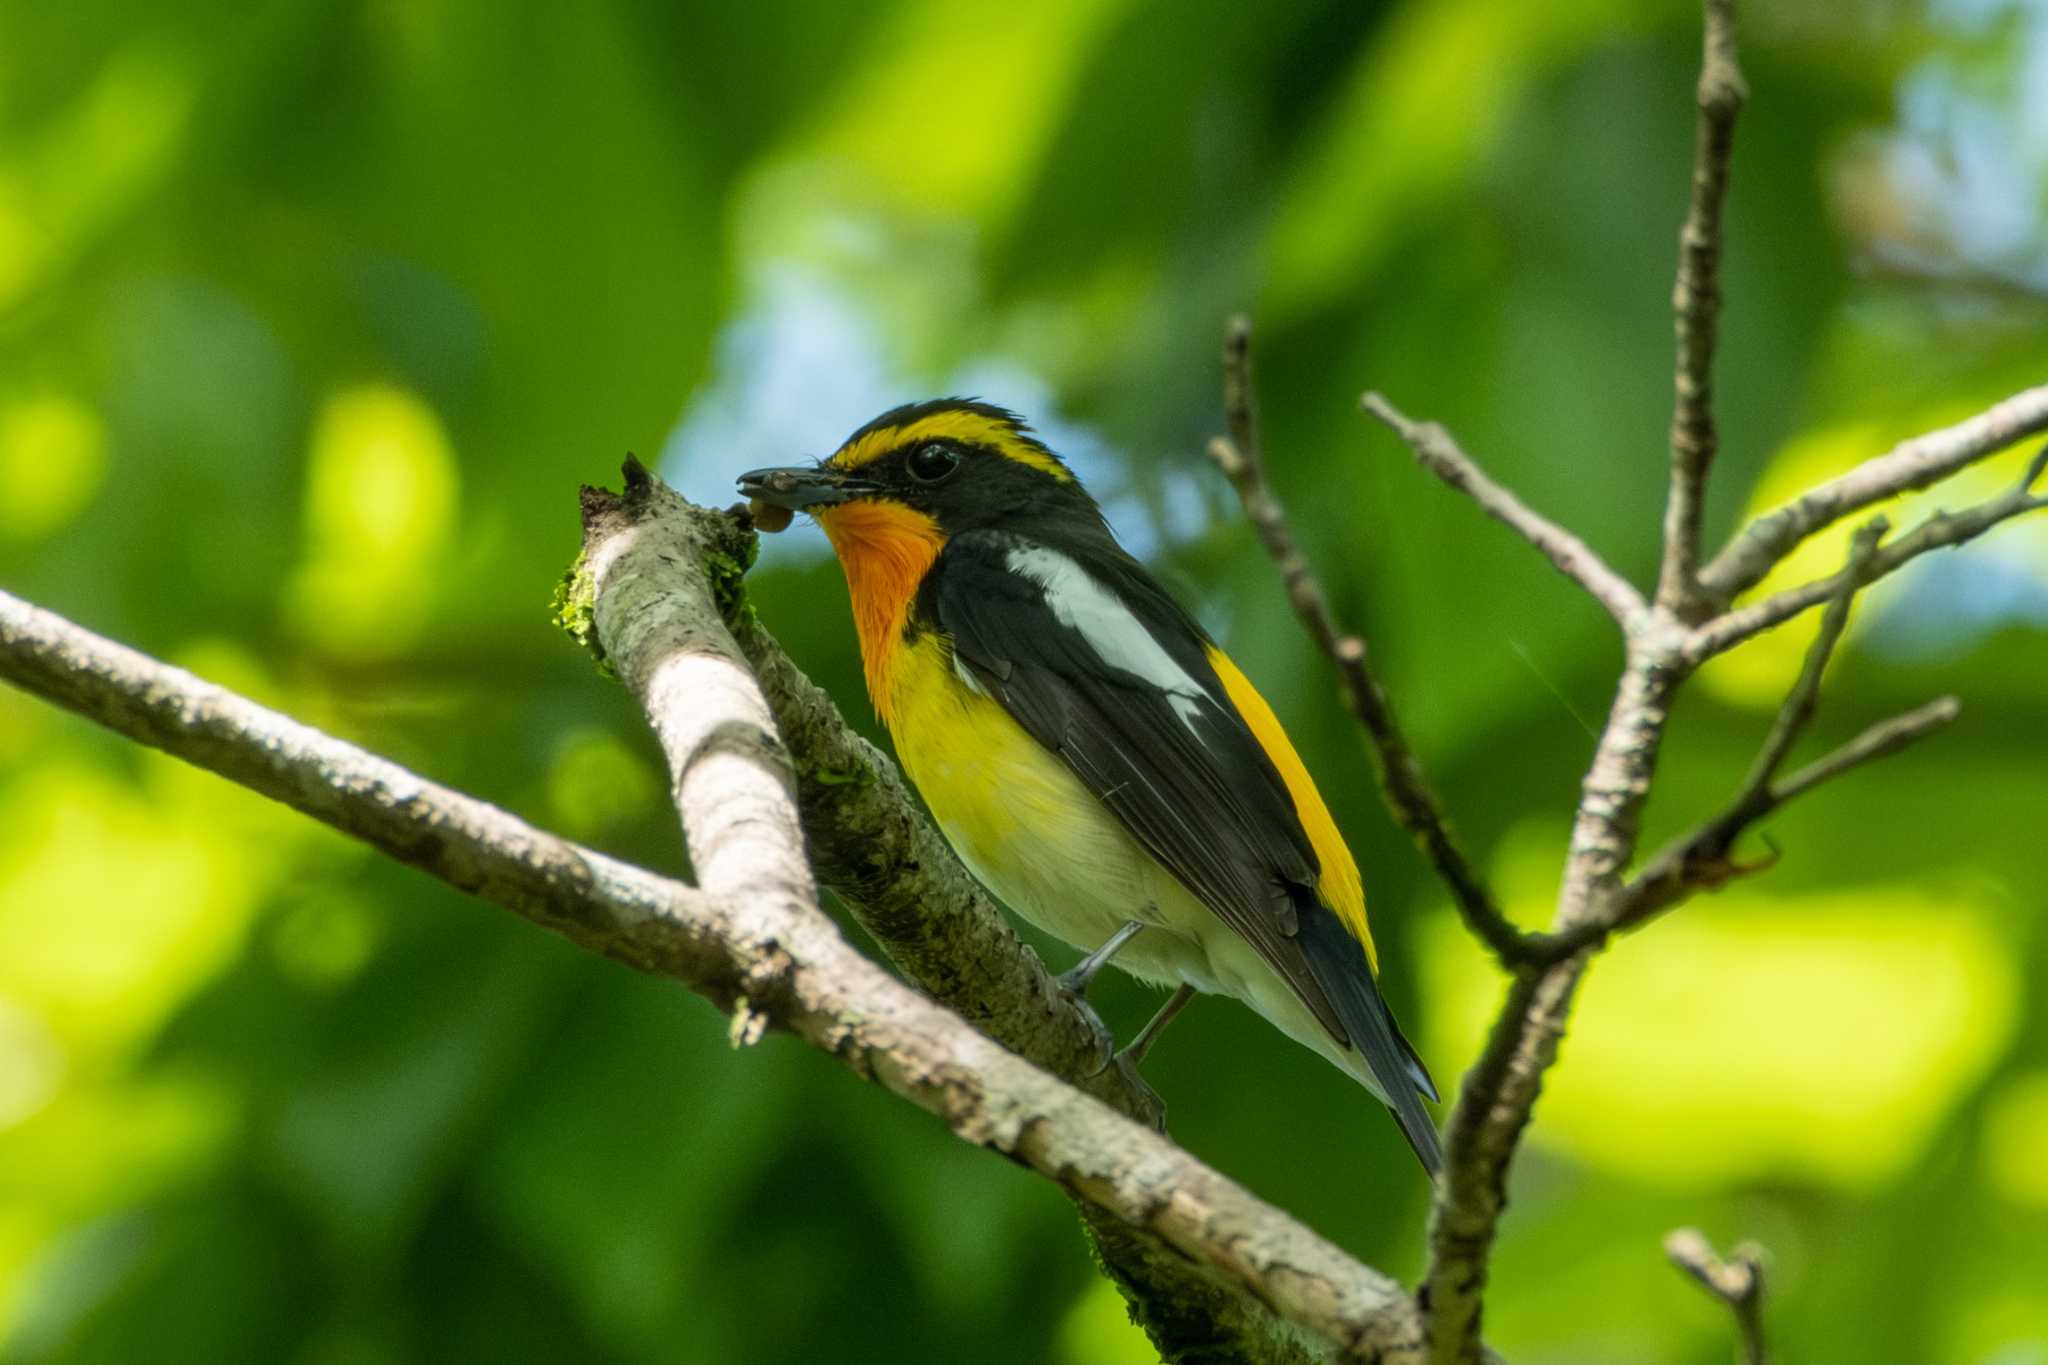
column 972, row 428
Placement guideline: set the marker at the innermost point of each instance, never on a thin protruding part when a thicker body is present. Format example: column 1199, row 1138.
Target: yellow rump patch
column 960, row 424
column 1340, row 887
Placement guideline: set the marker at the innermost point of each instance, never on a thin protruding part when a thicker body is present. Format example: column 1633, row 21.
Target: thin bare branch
column 1439, row 454
column 1737, row 1282
column 1939, row 531
column 1703, row 858
column 1696, row 309
column 1499, row 1092
column 1758, row 547
column 1797, row 711
column 1881, row 740
column 1495, row 1101
column 1408, row 793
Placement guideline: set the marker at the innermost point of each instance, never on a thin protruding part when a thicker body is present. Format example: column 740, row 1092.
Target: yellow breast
column 1024, row 824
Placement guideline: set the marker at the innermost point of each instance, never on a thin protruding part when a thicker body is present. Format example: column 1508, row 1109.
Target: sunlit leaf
column 53, row 454
column 2015, row 1139
column 1822, row 1036
column 960, row 101
column 381, row 493
column 596, row 782
column 1098, row 1331
column 1422, row 104
column 91, row 162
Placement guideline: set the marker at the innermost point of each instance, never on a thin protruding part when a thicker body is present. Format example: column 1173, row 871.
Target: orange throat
column 885, row 549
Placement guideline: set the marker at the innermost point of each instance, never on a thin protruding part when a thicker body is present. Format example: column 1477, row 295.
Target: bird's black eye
column 930, row 463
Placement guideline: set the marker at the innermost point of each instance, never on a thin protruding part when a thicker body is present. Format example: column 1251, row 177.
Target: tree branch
column 1737, row 1282
column 1440, row 455
column 1665, row 646
column 1881, row 740
column 1500, row 1091
column 749, row 937
column 1696, row 306
column 1939, row 531
column 1702, row 859
column 1409, row 795
column 1755, row 550
column 1797, row 711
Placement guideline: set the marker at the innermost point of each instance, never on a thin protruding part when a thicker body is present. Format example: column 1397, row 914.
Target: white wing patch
column 967, row 678
column 1111, row 629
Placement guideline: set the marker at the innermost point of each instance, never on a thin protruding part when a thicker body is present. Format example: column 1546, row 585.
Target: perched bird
column 1094, row 758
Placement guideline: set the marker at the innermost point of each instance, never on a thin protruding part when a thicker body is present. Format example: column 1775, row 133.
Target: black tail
column 1339, row 964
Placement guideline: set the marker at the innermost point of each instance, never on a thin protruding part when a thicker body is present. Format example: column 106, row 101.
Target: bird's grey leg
column 1074, row 981
column 1134, row 1051
column 1151, row 1107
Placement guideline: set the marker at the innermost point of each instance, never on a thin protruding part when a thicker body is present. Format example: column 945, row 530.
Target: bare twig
column 1881, row 740
column 1939, row 531
column 1797, row 711
column 1701, row 859
column 1664, row 648
column 1917, row 463
column 1409, row 795
column 1696, row 306
column 1440, row 454
column 1737, row 1282
column 1499, row 1092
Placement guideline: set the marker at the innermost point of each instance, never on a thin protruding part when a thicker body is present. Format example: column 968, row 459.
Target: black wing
column 1111, row 675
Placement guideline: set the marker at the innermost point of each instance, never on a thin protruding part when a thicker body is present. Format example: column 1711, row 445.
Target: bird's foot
column 1150, row 1108
column 1076, row 994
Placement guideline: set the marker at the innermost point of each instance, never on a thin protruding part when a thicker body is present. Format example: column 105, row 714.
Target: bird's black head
column 957, row 463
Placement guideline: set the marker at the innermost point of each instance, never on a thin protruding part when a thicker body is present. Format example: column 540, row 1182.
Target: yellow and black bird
column 1096, row 761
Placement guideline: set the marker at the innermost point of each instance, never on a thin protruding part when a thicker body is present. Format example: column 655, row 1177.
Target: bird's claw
column 1151, row 1109
column 1105, row 1041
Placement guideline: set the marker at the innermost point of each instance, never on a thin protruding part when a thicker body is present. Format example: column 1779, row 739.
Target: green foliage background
column 314, row 314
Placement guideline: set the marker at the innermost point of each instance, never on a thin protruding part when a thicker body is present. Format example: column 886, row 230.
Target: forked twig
column 1737, row 1282
column 1696, row 310
column 1242, row 458
column 1441, row 456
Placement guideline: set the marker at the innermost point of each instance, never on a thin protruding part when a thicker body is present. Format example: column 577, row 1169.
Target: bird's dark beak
column 800, row 487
